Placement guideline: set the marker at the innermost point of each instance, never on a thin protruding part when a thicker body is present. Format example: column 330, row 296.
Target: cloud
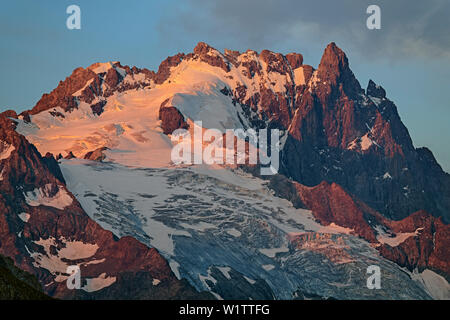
column 414, row 29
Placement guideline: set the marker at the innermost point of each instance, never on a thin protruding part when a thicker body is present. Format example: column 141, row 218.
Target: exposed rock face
column 69, row 155
column 97, row 108
column 295, row 60
column 171, row 118
column 44, row 230
column 96, row 155
column 331, row 204
column 164, row 68
column 62, row 95
column 339, row 134
column 52, row 165
column 375, row 90
column 211, row 56
column 428, row 248
column 422, row 239
column 91, row 85
column 10, row 114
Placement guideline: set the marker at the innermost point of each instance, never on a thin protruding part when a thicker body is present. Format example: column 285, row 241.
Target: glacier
column 223, row 229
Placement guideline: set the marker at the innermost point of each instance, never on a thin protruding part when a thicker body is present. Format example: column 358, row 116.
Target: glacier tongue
column 222, row 229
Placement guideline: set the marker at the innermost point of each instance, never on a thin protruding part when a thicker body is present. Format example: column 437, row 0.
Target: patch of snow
column 251, row 281
column 353, row 145
column 95, row 284
column 234, row 232
column 101, row 67
column 272, row 252
column 335, row 229
column 387, row 176
column 41, row 196
column 133, row 78
column 95, row 261
column 217, row 296
column 77, row 93
column 207, row 277
column 175, row 266
column 313, row 81
column 268, row 267
column 202, row 226
column 436, row 285
column 394, row 240
column 57, row 261
column 155, row 282
column 375, row 100
column 75, row 250
column 121, row 71
column 366, row 142
column 24, row 216
column 48, row 261
column 225, row 271
column 299, row 76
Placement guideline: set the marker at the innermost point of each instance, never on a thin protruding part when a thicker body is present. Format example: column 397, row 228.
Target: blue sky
column 409, row 56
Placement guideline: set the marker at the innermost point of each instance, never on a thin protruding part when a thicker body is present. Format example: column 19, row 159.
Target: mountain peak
column 334, row 69
column 333, row 59
column 295, row 60
column 203, row 47
column 375, row 90
column 101, row 67
column 211, row 56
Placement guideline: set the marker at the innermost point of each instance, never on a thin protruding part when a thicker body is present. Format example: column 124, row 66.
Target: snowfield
column 42, row 196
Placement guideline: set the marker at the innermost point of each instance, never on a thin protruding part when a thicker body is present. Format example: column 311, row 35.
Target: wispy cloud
column 415, row 29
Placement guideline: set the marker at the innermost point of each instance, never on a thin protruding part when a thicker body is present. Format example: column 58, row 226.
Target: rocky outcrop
column 91, row 85
column 53, row 166
column 335, row 77
column 164, row 68
column 10, row 114
column 69, row 155
column 428, row 248
column 97, row 108
column 62, row 95
column 417, row 241
column 375, row 90
column 96, row 155
column 211, row 56
column 295, row 60
column 340, row 134
column 330, row 203
column 171, row 118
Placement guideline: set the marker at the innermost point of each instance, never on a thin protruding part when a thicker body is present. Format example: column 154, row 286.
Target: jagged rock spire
column 334, row 69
